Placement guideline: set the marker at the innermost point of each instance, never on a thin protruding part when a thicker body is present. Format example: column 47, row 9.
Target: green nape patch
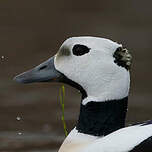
column 62, row 99
column 64, row 51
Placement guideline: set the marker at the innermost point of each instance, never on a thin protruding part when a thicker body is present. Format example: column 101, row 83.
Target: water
column 29, row 141
column 31, row 32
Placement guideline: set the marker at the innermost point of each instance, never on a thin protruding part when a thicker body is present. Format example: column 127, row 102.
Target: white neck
column 116, row 86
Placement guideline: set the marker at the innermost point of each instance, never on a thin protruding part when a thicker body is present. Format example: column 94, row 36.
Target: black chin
column 73, row 84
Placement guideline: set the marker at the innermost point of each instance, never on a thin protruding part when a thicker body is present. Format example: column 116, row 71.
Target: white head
column 91, row 63
column 100, row 66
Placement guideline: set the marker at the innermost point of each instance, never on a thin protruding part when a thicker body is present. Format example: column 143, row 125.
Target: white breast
column 75, row 142
column 122, row 140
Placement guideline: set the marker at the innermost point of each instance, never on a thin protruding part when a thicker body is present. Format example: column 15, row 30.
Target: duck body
column 99, row 69
column 135, row 138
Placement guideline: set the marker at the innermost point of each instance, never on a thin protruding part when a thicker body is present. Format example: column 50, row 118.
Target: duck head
column 98, row 67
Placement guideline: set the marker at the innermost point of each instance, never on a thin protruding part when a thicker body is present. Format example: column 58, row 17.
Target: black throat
column 102, row 118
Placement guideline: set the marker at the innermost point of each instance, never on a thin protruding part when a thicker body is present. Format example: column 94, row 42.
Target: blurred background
column 32, row 31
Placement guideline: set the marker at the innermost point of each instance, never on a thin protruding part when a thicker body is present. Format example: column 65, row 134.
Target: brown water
column 31, row 32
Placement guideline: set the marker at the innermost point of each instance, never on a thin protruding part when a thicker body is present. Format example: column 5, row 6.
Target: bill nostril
column 43, row 67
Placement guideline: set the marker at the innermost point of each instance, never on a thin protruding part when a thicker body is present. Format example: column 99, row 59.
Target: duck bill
column 45, row 72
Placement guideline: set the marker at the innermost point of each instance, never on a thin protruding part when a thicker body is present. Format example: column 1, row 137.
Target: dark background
column 31, row 31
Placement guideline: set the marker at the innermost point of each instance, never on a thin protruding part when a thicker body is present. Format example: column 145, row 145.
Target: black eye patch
column 79, row 49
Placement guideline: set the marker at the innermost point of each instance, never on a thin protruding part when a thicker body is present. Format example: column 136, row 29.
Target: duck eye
column 79, row 49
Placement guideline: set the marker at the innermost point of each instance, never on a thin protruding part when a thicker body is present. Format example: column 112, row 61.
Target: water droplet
column 19, row 133
column 2, row 57
column 18, row 118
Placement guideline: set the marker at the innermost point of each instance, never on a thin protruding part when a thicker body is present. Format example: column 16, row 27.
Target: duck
column 100, row 69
